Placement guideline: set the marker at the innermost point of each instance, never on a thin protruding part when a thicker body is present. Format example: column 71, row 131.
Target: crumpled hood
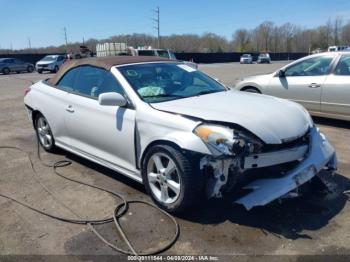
column 271, row 119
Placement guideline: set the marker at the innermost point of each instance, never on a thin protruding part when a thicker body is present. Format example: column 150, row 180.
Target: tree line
column 267, row 36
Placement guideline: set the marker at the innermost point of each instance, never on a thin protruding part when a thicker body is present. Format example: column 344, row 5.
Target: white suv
column 50, row 63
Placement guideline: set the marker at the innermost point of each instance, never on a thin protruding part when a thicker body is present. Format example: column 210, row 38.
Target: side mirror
column 281, row 73
column 112, row 99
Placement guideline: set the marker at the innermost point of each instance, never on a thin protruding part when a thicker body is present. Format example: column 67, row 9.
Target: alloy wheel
column 44, row 133
column 163, row 178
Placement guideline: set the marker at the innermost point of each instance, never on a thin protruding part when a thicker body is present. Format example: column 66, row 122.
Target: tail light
column 26, row 91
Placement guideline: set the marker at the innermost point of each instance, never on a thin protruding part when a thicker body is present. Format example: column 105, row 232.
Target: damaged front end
column 259, row 174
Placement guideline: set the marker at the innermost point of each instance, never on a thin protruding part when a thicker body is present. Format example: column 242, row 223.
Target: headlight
column 224, row 140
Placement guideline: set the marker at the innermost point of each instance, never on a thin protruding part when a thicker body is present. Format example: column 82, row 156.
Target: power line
column 157, row 21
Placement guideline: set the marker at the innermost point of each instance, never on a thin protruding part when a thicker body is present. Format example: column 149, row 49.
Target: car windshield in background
column 49, row 58
column 160, row 82
column 163, row 53
column 246, row 55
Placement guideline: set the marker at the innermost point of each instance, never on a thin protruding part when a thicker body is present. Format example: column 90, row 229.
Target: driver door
column 103, row 132
column 302, row 82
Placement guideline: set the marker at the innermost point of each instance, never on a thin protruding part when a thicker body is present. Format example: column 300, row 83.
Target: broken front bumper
column 321, row 154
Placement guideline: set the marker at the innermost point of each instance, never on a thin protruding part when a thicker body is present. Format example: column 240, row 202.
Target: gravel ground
column 309, row 225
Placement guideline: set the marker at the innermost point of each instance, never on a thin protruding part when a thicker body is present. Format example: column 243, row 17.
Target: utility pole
column 29, row 43
column 65, row 37
column 157, row 21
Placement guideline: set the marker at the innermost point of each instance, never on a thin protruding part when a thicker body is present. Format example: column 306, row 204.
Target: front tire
column 170, row 179
column 55, row 69
column 251, row 90
column 44, row 134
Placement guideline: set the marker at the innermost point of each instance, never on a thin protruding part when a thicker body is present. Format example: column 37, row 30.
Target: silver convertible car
column 178, row 131
column 320, row 82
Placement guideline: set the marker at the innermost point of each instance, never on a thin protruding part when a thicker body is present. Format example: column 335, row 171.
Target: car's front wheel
column 44, row 134
column 171, row 179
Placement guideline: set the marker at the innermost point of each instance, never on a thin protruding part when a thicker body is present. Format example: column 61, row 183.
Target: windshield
column 246, row 55
column 49, row 58
column 160, row 82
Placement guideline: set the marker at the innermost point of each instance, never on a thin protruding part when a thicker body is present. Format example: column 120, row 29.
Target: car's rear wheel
column 30, row 69
column 6, row 71
column 44, row 134
column 170, row 178
column 40, row 71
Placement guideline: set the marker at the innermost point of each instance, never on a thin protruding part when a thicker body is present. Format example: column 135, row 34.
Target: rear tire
column 30, row 69
column 175, row 190
column 6, row 71
column 40, row 71
column 44, row 134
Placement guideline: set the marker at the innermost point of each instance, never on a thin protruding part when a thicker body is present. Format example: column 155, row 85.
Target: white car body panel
column 270, row 125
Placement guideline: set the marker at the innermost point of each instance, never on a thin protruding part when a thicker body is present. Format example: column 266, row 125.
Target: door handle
column 70, row 109
column 314, row 85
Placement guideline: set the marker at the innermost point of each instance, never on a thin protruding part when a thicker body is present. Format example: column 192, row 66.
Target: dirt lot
column 308, row 225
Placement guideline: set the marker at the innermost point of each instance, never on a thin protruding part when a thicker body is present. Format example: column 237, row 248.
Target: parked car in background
column 336, row 48
column 264, row 58
column 182, row 134
column 8, row 65
column 320, row 82
column 50, row 63
column 246, row 59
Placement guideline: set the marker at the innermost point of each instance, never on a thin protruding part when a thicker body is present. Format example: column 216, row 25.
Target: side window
column 93, row 81
column 315, row 66
column 67, row 81
column 60, row 58
column 343, row 67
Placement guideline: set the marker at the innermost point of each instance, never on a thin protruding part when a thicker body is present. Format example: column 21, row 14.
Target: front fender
column 154, row 126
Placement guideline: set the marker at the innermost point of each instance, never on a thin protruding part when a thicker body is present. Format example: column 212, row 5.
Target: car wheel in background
column 55, row 69
column 30, row 69
column 44, row 134
column 40, row 71
column 170, row 178
column 6, row 71
column 251, row 90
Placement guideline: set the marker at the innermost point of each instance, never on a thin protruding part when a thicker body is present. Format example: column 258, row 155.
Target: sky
column 43, row 20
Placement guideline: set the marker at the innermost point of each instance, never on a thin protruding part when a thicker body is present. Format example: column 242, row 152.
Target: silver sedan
column 321, row 83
